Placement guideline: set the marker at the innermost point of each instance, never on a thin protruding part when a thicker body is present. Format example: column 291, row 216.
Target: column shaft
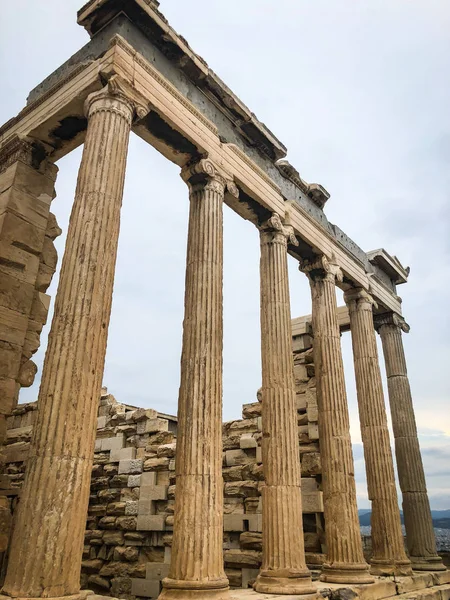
column 420, row 538
column 197, row 569
column 47, row 544
column 345, row 559
column 284, row 568
column 388, row 552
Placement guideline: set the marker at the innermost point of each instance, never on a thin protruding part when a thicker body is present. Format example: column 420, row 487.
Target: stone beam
column 174, row 117
column 302, row 325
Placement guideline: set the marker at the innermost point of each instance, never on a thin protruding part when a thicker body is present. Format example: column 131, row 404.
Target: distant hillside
column 442, row 523
column 440, row 514
column 441, row 518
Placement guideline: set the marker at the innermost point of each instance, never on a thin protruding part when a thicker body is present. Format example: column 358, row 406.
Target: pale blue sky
column 359, row 93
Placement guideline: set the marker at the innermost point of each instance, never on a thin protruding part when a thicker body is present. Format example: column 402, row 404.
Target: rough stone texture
column 345, row 559
column 112, row 535
column 420, row 538
column 27, row 263
column 284, row 567
column 197, row 550
column 389, row 557
column 45, row 553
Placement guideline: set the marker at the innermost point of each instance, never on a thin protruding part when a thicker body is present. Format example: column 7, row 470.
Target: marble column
column 420, row 538
column 283, row 568
column 197, row 568
column 388, row 552
column 47, row 543
column 345, row 560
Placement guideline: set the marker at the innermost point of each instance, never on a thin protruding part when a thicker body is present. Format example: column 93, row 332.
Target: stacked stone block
column 129, row 524
column 27, row 264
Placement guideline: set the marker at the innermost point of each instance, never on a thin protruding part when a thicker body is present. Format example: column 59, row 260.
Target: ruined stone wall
column 27, row 263
column 129, row 524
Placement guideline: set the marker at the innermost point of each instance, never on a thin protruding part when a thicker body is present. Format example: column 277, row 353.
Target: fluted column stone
column 388, row 552
column 47, row 544
column 345, row 560
column 420, row 538
column 283, row 568
column 197, row 568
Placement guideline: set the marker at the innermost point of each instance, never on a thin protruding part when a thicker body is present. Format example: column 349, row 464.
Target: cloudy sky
column 359, row 93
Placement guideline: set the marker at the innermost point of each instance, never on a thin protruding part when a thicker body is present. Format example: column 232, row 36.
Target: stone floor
column 423, row 586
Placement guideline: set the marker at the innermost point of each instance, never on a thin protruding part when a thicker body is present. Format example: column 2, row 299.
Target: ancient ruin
column 146, row 505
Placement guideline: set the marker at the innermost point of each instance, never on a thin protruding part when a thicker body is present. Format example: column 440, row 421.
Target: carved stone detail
column 284, row 568
column 388, row 553
column 345, row 559
column 117, row 96
column 273, row 230
column 420, row 538
column 322, row 268
column 197, row 569
column 45, row 557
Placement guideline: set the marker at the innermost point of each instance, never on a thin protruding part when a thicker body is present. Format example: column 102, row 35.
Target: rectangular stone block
column 309, row 485
column 313, row 431
column 249, row 577
column 143, row 414
column 301, row 374
column 101, row 422
column 134, row 481
column 312, row 502
column 236, row 457
column 18, row 263
column 131, row 466
column 300, row 401
column 301, row 343
column 26, row 206
column 122, row 454
column 148, row 478
column 16, row 295
column 146, row 507
column 145, row 588
column 245, row 522
column 152, row 426
column 131, row 508
column 9, row 391
column 151, row 522
column 155, row 492
column 250, row 411
column 247, row 441
column 16, row 452
column 313, row 413
column 157, row 571
column 26, row 179
column 113, row 443
column 13, row 326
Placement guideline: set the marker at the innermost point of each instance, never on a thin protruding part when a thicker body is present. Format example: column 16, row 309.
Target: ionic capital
column 359, row 299
column 118, row 97
column 321, row 268
column 392, row 319
column 275, row 231
column 205, row 174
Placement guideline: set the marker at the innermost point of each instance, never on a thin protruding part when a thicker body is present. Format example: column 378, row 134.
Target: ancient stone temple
column 98, row 496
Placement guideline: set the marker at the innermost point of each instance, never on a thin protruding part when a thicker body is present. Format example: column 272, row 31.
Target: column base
column 82, row 595
column 174, row 589
column 284, row 582
column 346, row 573
column 385, row 568
column 427, row 563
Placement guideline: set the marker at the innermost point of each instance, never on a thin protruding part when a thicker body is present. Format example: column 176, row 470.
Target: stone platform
column 423, row 586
